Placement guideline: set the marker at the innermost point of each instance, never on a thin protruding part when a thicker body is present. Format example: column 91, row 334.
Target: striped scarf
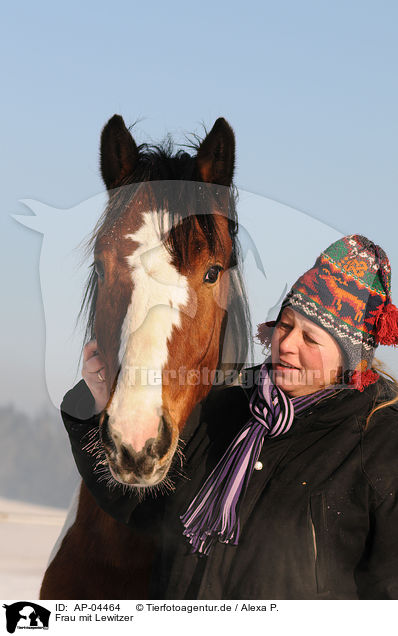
column 213, row 515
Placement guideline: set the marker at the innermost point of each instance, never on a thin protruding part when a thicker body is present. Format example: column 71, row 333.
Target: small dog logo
column 26, row 615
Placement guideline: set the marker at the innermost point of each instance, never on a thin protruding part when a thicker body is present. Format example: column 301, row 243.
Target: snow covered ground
column 27, row 535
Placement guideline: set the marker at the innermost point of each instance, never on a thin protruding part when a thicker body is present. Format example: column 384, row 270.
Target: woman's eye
column 99, row 270
column 284, row 325
column 309, row 339
column 212, row 274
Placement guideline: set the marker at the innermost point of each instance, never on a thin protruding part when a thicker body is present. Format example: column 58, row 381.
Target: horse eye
column 212, row 274
column 99, row 270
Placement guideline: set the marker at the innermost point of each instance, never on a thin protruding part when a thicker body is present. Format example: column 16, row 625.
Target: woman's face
column 305, row 357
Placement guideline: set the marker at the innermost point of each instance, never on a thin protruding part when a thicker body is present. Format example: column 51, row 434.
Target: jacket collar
column 346, row 402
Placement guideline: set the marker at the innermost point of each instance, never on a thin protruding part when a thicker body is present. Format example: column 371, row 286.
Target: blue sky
column 309, row 87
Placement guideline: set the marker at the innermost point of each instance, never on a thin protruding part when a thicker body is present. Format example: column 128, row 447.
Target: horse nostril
column 126, row 457
column 150, row 448
column 163, row 441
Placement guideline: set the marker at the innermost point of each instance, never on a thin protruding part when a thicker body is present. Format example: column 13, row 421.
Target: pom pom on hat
column 387, row 325
column 359, row 380
column 264, row 332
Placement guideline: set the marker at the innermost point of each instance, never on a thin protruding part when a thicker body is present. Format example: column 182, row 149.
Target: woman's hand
column 93, row 372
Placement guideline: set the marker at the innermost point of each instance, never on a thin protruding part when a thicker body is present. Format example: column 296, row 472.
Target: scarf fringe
column 207, row 522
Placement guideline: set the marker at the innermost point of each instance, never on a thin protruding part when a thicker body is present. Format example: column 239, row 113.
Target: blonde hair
column 379, row 367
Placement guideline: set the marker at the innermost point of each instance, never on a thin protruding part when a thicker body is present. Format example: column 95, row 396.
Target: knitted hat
column 347, row 293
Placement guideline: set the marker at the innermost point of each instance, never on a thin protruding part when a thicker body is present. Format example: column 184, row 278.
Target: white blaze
column 159, row 292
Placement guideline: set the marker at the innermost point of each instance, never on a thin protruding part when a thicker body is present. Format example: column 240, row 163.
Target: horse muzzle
column 143, row 468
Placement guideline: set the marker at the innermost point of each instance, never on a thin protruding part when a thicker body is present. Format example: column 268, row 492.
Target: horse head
column 161, row 291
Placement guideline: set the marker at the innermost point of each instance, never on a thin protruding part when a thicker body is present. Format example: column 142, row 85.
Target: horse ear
column 119, row 152
column 216, row 154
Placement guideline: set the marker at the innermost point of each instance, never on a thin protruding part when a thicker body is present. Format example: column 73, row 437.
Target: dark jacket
column 319, row 520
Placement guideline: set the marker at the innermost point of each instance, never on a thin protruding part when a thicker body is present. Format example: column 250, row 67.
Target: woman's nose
column 289, row 341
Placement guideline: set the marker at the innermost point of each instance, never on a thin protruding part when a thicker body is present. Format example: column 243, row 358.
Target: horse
column 165, row 294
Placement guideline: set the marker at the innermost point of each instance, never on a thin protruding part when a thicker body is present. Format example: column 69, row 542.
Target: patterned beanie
column 347, row 293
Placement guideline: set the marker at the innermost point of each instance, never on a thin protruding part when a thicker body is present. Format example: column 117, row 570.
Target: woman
column 295, row 495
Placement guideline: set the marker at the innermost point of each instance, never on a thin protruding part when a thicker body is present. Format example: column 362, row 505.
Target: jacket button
column 258, row 466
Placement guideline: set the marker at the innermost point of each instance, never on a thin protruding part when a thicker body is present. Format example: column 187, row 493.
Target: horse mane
column 174, row 187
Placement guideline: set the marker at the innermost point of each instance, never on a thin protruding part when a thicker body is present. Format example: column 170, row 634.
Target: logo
column 26, row 615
